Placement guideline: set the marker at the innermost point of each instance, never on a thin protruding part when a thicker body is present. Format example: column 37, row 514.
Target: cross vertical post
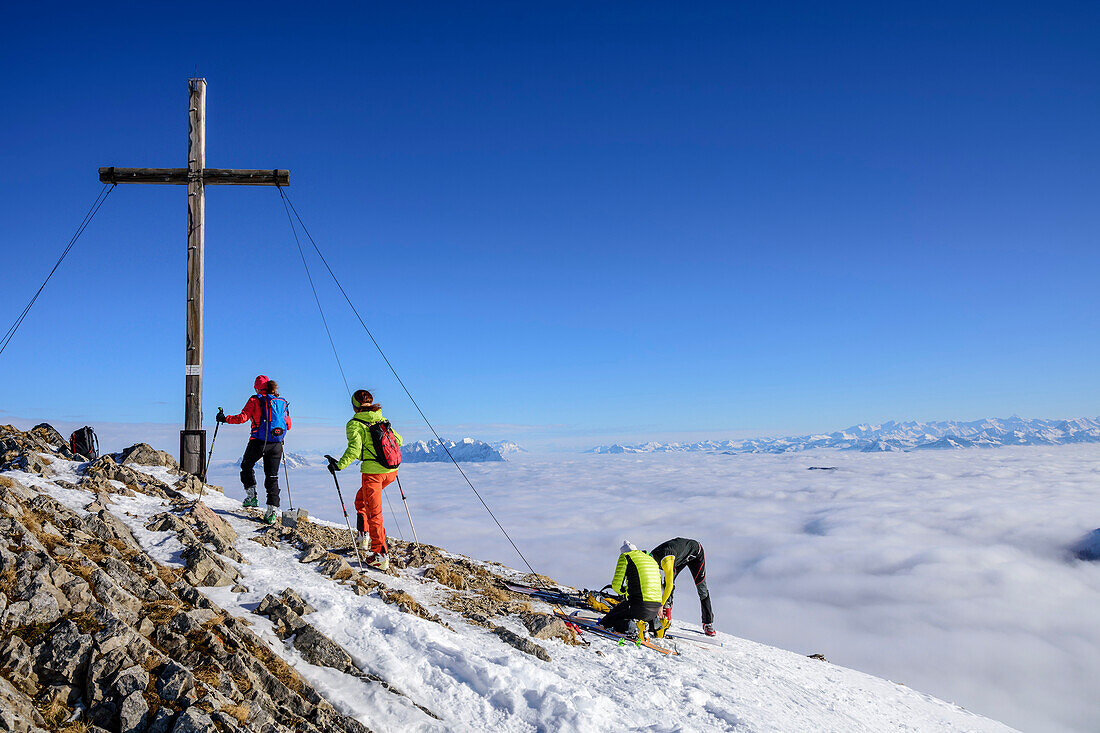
column 196, row 176
column 193, row 437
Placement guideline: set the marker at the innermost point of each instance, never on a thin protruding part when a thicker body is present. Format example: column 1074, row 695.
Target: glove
column 221, row 416
column 332, row 465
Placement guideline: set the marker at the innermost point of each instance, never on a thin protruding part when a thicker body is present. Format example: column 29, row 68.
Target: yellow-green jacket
column 637, row 576
column 361, row 446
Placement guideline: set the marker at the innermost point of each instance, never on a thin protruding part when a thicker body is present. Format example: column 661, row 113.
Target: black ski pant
column 272, row 455
column 620, row 616
column 698, row 568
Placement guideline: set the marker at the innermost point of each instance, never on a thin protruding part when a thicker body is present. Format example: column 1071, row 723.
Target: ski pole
column 286, row 480
column 417, row 541
column 206, row 468
column 351, row 535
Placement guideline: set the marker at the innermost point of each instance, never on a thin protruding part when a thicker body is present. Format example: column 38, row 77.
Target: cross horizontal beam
column 210, row 176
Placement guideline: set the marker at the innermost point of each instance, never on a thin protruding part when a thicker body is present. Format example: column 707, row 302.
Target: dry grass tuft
column 6, row 482
column 168, row 575
column 276, row 666
column 55, row 712
column 7, row 580
column 161, row 612
column 495, row 594
column 208, row 674
column 240, row 712
column 448, row 574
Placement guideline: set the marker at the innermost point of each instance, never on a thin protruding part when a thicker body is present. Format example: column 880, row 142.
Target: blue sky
column 567, row 222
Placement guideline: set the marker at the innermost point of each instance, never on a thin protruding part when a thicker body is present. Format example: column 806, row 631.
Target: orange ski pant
column 368, row 507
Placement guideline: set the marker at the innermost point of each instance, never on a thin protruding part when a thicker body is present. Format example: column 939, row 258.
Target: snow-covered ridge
column 897, row 436
column 428, row 646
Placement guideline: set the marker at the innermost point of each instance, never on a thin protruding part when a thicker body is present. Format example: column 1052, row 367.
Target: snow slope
column 474, row 681
column 949, row 571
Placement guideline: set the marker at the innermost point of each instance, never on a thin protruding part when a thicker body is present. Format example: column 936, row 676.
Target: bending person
column 377, row 475
column 270, row 417
column 638, row 580
column 673, row 556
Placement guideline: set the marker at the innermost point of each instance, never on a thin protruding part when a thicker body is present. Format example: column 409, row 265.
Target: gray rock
column 211, row 528
column 225, row 722
column 106, row 526
column 114, row 596
column 524, row 645
column 130, row 680
column 204, row 568
column 313, row 552
column 175, row 683
column 169, row 640
column 31, row 462
column 17, row 711
column 161, row 721
column 46, row 432
column 102, row 671
column 282, row 616
column 166, row 522
column 126, row 577
column 193, row 720
column 17, row 664
column 336, row 568
column 544, row 626
column 296, row 603
column 144, row 454
column 42, row 608
column 316, row 648
column 63, row 656
column 133, row 713
column 192, row 621
column 190, row 484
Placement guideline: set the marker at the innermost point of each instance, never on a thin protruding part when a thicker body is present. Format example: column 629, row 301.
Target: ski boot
column 362, row 542
column 271, row 516
column 708, row 629
column 664, row 620
column 250, row 497
column 378, row 560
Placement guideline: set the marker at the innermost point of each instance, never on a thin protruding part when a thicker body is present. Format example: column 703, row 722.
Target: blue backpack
column 273, row 411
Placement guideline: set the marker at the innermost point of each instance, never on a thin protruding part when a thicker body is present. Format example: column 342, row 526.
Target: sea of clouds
column 944, row 571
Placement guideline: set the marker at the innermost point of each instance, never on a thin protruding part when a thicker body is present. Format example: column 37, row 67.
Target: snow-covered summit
column 262, row 626
column 897, row 436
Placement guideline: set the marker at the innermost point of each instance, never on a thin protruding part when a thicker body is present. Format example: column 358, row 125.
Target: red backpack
column 387, row 451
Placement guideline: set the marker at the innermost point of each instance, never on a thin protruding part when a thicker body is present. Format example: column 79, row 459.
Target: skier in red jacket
column 270, row 417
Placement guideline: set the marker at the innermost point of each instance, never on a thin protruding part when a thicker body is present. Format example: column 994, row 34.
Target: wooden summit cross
column 196, row 176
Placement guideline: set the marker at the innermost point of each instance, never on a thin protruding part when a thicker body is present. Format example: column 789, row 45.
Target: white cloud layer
column 945, row 571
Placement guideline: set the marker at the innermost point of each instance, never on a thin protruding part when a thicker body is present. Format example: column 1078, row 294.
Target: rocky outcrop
column 94, row 635
column 146, row 455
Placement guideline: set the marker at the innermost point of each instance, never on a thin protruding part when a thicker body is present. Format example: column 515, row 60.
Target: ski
column 695, row 638
column 550, row 596
column 577, row 599
column 590, row 624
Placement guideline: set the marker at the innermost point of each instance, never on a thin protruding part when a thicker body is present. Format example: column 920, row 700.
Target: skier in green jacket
column 376, row 475
column 638, row 581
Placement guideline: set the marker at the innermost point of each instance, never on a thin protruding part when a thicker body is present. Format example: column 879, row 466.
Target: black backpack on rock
column 85, row 443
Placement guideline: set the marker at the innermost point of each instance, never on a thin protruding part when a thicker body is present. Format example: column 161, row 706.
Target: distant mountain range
column 467, row 450
column 897, row 436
